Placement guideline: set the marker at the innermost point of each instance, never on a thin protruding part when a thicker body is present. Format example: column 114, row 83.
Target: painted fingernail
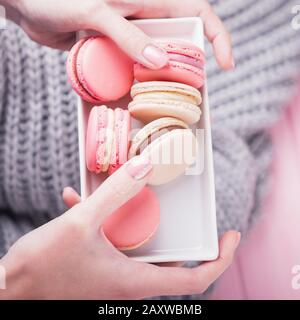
column 155, row 56
column 139, row 167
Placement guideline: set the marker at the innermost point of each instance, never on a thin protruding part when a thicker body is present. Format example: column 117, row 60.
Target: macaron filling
column 121, row 140
column 161, row 95
column 101, row 139
column 186, row 59
column 184, row 49
column 162, row 89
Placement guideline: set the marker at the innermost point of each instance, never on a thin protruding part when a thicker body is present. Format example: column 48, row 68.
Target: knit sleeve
column 246, row 102
column 39, row 124
column 11, row 230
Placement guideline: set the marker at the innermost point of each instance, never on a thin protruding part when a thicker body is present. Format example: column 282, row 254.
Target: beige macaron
column 155, row 99
column 169, row 145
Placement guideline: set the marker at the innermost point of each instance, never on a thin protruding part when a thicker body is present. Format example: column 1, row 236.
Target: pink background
column 263, row 265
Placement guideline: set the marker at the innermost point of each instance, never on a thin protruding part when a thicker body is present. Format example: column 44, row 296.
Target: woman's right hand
column 70, row 258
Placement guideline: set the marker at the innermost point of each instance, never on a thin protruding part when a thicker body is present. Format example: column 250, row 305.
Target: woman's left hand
column 54, row 23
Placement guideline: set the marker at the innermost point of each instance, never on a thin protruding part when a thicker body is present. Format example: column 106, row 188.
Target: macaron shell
column 104, row 70
column 135, row 222
column 72, row 72
column 171, row 155
column 121, row 139
column 151, row 128
column 148, row 110
column 173, row 71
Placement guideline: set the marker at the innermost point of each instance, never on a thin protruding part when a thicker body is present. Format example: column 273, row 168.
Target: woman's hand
column 54, row 23
column 70, row 258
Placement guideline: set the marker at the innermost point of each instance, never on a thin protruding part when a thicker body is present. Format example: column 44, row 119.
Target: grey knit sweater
column 38, row 127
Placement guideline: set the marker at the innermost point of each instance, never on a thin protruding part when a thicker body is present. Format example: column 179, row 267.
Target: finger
column 217, row 34
column 70, row 197
column 211, row 271
column 128, row 37
column 116, row 190
column 182, row 281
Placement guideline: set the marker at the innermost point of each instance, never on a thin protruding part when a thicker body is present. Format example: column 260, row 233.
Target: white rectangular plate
column 188, row 228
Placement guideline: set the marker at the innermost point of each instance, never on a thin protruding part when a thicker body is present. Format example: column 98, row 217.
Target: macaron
column 155, row 99
column 169, row 145
column 107, row 139
column 133, row 224
column 98, row 70
column 186, row 65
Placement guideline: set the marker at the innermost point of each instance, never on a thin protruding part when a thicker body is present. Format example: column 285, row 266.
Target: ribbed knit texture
column 38, row 120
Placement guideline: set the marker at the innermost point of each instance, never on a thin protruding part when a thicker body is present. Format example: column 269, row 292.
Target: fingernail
column 156, row 56
column 139, row 167
column 238, row 239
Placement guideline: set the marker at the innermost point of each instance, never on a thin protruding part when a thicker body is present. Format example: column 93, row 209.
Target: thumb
column 129, row 38
column 116, row 190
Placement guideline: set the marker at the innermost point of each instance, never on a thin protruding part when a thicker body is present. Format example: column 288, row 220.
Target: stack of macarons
column 165, row 101
column 107, row 145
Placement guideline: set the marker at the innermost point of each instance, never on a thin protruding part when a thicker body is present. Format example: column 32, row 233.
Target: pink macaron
column 98, row 70
column 186, row 65
column 135, row 222
column 107, row 139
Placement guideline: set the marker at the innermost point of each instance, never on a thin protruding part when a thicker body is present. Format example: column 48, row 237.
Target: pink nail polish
column 139, row 167
column 156, row 56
